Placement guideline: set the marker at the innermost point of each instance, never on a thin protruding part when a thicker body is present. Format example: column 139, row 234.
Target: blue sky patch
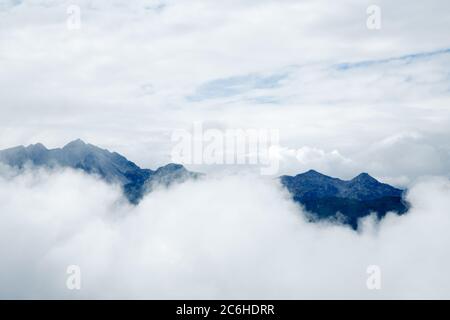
column 232, row 86
column 406, row 58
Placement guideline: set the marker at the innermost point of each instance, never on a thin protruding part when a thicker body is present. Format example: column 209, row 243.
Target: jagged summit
column 110, row 166
column 364, row 177
column 361, row 187
column 322, row 195
column 311, row 173
column 78, row 143
column 171, row 167
column 37, row 146
column 326, row 196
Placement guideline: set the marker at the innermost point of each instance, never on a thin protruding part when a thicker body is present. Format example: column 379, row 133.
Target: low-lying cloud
column 220, row 237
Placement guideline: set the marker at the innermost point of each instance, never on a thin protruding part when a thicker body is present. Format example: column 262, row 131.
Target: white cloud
column 294, row 161
column 123, row 79
column 229, row 237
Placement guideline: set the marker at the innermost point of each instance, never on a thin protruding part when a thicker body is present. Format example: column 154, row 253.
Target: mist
column 221, row 237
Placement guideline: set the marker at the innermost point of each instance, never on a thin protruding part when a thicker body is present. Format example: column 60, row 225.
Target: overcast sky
column 345, row 98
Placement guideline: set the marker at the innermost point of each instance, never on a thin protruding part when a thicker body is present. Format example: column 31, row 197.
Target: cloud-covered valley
column 217, row 237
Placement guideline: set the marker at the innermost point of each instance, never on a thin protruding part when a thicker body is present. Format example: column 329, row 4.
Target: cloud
column 412, row 151
column 294, row 161
column 222, row 237
column 121, row 81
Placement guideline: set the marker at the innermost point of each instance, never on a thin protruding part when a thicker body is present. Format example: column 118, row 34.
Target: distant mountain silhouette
column 323, row 196
column 111, row 166
column 328, row 197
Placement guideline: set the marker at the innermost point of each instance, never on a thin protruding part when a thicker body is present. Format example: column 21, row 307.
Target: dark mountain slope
column 323, row 196
column 328, row 197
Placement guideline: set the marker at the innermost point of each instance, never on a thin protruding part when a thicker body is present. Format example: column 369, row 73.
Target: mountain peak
column 171, row 167
column 91, row 159
column 328, row 197
column 364, row 177
column 37, row 146
column 312, row 173
column 75, row 144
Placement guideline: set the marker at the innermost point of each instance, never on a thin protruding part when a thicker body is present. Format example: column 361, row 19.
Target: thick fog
column 220, row 237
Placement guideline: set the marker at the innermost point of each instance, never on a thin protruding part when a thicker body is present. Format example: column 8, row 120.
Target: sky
column 345, row 98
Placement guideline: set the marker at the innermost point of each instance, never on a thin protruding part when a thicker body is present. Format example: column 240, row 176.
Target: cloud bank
column 221, row 237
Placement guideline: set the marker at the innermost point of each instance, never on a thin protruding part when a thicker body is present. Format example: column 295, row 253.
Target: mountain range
column 322, row 196
column 110, row 166
column 347, row 201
